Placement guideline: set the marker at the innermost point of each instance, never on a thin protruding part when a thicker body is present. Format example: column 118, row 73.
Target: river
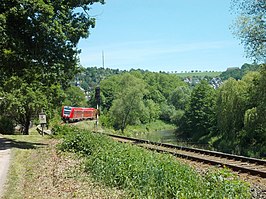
column 164, row 136
column 167, row 136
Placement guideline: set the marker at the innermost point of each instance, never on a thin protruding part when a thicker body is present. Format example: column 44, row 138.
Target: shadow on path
column 10, row 143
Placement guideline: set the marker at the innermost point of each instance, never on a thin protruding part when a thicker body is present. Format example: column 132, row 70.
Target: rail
column 237, row 163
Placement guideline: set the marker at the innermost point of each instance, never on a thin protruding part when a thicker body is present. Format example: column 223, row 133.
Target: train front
column 66, row 110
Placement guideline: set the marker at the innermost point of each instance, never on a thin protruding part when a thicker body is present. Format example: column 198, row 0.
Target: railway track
column 240, row 164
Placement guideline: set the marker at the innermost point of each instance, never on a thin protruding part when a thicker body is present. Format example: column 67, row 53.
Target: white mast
column 103, row 58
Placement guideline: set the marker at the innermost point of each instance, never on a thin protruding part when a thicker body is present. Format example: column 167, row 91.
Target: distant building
column 216, row 82
column 232, row 68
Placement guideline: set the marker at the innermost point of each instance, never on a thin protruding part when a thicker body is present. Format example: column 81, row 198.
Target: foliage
column 167, row 111
column 232, row 120
column 238, row 73
column 6, row 125
column 235, row 73
column 23, row 101
column 105, row 122
column 231, row 106
column 146, row 174
column 166, row 83
column 41, row 37
column 253, row 135
column 75, row 97
column 90, row 77
column 55, row 120
column 199, row 118
column 38, row 53
column 151, row 111
column 240, row 109
column 250, row 27
column 109, row 91
column 128, row 106
column 180, row 97
column 60, row 131
column 162, row 91
column 225, row 181
column 240, row 106
column 157, row 125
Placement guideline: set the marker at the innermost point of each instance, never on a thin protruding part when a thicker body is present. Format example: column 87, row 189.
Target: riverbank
column 150, row 127
column 131, row 131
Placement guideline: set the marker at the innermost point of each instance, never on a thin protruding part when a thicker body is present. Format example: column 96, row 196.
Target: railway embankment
column 148, row 174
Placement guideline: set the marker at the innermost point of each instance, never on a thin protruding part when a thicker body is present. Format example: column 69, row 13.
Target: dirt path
column 4, row 161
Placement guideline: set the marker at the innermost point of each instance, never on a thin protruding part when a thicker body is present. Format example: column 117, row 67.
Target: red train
column 71, row 114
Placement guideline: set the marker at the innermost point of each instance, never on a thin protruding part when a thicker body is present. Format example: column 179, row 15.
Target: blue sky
column 170, row 35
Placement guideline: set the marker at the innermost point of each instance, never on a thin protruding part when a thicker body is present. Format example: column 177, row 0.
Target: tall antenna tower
column 103, row 58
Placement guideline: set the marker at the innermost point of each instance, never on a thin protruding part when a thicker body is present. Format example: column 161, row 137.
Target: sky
column 170, row 36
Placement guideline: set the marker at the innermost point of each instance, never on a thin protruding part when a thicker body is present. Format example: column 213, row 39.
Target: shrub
column 147, row 174
column 6, row 125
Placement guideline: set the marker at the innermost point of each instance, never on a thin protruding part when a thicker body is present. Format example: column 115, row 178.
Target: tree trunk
column 26, row 126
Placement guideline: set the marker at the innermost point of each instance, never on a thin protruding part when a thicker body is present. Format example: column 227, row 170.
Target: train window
column 67, row 110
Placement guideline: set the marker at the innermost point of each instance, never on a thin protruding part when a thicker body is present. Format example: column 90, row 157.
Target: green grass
column 22, row 146
column 145, row 174
column 38, row 170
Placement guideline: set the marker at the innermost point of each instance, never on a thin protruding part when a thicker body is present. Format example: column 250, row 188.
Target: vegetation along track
column 242, row 164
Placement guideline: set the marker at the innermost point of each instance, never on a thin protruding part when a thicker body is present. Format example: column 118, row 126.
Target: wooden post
column 42, row 120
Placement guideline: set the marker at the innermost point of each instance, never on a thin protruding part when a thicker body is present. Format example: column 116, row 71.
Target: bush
column 147, row 174
column 55, row 121
column 6, row 125
column 61, row 131
column 105, row 121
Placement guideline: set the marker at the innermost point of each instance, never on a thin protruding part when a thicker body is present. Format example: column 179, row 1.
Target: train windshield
column 67, row 110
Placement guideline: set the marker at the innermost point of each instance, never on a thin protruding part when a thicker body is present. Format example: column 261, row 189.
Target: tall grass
column 146, row 174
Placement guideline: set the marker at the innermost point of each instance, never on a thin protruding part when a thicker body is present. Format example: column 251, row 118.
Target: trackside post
column 97, row 98
column 42, row 120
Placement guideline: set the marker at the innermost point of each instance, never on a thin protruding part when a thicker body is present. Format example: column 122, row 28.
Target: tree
column 41, row 37
column 253, row 135
column 199, row 118
column 75, row 97
column 180, row 97
column 235, row 73
column 151, row 111
column 23, row 101
column 127, row 107
column 166, row 83
column 231, row 106
column 110, row 88
column 38, row 50
column 167, row 112
column 250, row 27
